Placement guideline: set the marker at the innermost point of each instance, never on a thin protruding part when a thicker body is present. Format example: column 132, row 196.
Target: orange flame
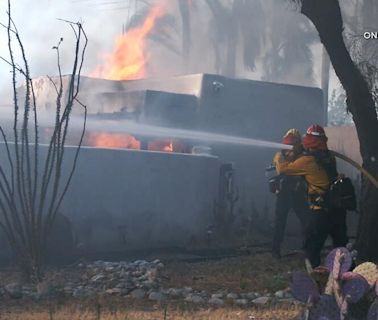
column 126, row 141
column 168, row 145
column 113, row 140
column 128, row 59
column 161, row 145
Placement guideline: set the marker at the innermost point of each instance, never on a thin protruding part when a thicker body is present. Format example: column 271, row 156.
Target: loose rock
column 280, row 294
column 157, row 296
column 14, row 290
column 195, row 299
column 217, row 296
column 138, row 294
column 232, row 296
column 44, row 289
column 175, row 293
column 261, row 301
column 241, row 302
column 251, row 295
column 217, row 302
column 115, row 291
column 187, row 290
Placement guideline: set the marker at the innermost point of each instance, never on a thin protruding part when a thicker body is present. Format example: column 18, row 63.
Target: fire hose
column 366, row 173
column 355, row 164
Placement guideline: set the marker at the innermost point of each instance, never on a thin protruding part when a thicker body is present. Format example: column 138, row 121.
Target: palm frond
column 251, row 19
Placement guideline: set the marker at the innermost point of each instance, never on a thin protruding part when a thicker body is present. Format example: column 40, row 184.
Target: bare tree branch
column 29, row 203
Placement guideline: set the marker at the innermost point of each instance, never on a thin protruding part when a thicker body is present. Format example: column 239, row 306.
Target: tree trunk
column 326, row 16
column 325, row 83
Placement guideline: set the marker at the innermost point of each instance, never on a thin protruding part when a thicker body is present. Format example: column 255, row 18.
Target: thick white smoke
column 40, row 29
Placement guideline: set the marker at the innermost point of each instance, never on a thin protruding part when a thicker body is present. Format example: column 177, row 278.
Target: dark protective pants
column 324, row 223
column 286, row 200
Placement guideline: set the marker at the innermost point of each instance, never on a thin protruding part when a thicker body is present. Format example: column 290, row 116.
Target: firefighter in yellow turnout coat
column 318, row 167
column 290, row 193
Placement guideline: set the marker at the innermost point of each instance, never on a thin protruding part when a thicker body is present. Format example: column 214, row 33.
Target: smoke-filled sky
column 40, row 29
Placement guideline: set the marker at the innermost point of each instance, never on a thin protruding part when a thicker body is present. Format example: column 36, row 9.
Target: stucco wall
column 344, row 140
column 150, row 199
column 125, row 199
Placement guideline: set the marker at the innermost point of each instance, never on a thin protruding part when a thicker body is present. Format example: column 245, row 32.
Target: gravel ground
column 245, row 287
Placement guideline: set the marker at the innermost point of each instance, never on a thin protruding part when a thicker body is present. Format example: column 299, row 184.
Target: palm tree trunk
column 184, row 6
column 232, row 41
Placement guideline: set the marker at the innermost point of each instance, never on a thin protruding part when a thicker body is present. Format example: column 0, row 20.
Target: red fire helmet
column 315, row 138
column 292, row 137
column 316, row 130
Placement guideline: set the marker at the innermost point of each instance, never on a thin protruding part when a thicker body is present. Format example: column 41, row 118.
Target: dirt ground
column 275, row 313
column 258, row 273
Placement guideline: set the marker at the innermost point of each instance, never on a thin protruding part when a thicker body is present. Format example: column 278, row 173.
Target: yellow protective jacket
column 306, row 165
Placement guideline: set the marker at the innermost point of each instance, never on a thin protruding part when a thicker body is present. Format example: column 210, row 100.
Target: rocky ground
column 243, row 282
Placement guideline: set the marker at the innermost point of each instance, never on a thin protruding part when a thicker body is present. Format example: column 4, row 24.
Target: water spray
column 164, row 132
column 130, row 127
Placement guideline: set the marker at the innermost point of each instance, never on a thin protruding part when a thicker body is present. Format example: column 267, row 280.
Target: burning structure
column 137, row 191
column 145, row 190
